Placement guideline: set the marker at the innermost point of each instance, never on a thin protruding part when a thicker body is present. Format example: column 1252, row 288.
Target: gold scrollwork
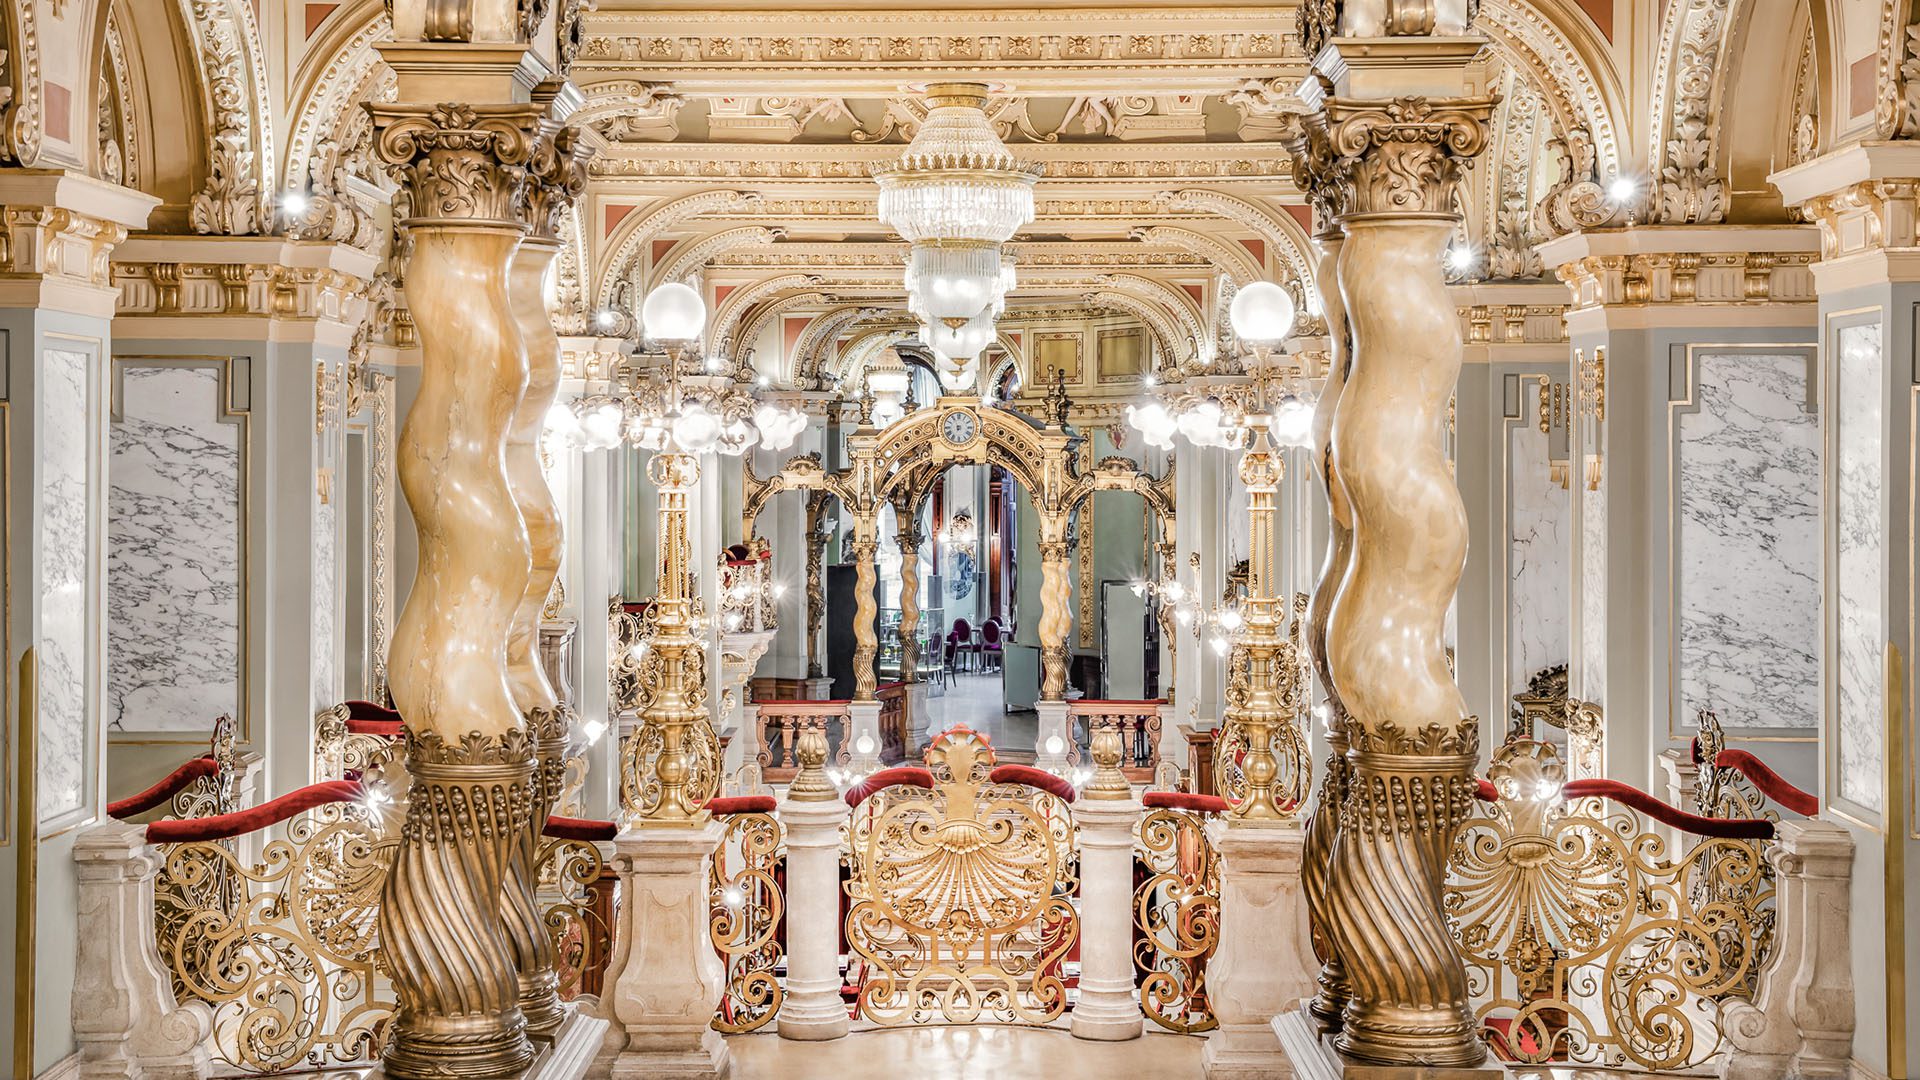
column 1176, row 919
column 1584, row 942
column 290, row 971
column 746, row 907
column 566, row 871
column 962, row 897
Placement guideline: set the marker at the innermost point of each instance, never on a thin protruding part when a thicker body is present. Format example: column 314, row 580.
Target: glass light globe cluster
column 1262, row 314
column 956, row 195
column 729, row 421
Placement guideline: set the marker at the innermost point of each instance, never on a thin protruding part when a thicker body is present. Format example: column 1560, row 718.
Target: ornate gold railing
column 1176, row 910
column 747, row 908
column 1584, row 941
column 748, row 603
column 353, row 739
column 576, row 901
column 962, row 890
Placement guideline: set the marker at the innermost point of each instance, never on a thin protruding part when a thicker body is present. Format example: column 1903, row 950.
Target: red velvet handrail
column 1632, row 797
column 389, row 729
column 173, row 784
column 241, row 822
column 567, row 828
column 1032, row 777
column 740, row 804
column 1771, row 784
column 1184, row 800
column 360, row 709
column 1484, row 790
column 911, row 775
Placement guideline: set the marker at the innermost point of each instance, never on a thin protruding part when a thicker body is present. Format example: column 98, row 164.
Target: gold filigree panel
column 1176, row 920
column 746, row 907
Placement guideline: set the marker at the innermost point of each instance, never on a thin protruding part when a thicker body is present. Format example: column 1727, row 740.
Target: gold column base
column 453, row 966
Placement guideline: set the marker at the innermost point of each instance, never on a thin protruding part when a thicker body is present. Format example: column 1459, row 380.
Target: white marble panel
column 173, row 552
column 65, row 745
column 327, row 687
column 1859, row 479
column 1539, row 517
column 1593, row 593
column 1749, row 544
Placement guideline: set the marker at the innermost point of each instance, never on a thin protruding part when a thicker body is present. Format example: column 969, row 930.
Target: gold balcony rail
column 748, row 594
column 1139, row 725
column 353, row 739
column 1176, row 909
column 962, row 887
column 778, row 726
column 577, row 900
column 1585, row 942
column 746, row 912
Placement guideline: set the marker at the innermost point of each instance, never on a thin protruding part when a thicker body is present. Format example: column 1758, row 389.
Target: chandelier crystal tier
column 957, row 194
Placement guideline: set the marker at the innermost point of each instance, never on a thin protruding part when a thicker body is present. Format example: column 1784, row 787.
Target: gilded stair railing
column 1176, row 909
column 746, row 912
column 1586, row 942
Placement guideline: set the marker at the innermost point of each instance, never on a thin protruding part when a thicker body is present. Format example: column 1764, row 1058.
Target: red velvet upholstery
column 370, row 710
column 175, row 782
column 741, row 804
column 241, row 822
column 1032, row 777
column 1484, row 790
column 911, row 775
column 1184, row 800
column 567, row 828
column 389, row 729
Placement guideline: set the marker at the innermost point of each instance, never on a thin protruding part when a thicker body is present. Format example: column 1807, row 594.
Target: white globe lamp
column 673, row 313
column 1262, row 314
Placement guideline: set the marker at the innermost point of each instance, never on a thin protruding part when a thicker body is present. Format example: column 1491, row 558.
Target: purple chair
column 991, row 644
column 965, row 643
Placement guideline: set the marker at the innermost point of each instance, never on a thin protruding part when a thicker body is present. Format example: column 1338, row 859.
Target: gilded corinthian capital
column 557, row 176
column 460, row 163
column 1305, row 136
column 1404, row 156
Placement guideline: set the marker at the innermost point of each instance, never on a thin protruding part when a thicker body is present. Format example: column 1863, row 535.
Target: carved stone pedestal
column 664, row 979
column 1264, row 964
column 813, row 1009
column 1108, row 1009
column 1311, row 1056
column 1054, row 723
column 863, row 722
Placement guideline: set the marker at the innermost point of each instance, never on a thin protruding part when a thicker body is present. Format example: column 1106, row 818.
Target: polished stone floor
column 965, row 1053
column 979, row 702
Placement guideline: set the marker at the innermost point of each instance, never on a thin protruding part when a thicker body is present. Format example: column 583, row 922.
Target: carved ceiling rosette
column 459, row 162
column 1404, row 156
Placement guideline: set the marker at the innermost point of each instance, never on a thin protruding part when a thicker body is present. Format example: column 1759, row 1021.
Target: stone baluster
column 1800, row 1021
column 813, row 815
column 1399, row 160
column 125, row 1017
column 469, row 752
column 1109, row 1008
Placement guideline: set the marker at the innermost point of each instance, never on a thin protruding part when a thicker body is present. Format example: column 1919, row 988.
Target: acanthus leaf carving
column 1405, row 156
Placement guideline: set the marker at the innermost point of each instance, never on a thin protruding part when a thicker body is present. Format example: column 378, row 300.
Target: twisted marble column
column 1413, row 746
column 454, row 969
column 908, row 537
column 1056, row 618
column 557, row 177
column 1306, row 140
column 866, row 642
column 816, row 592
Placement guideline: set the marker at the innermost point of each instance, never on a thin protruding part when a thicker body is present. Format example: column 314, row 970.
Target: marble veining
column 1858, row 484
column 1538, row 513
column 1593, row 594
column 65, row 746
column 326, row 677
column 1749, row 544
column 173, row 553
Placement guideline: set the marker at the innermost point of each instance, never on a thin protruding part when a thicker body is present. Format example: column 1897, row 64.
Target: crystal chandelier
column 956, row 195
column 656, row 408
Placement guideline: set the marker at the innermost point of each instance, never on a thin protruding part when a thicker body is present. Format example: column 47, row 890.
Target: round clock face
column 957, row 428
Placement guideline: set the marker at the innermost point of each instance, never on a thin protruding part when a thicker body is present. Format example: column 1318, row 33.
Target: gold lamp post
column 1262, row 691
column 671, row 765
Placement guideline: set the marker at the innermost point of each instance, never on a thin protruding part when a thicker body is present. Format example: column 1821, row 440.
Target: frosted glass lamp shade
column 673, row 312
column 1262, row 314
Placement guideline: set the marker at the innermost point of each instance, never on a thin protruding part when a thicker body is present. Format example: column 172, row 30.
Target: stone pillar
column 664, row 980
column 1056, row 608
column 125, row 1017
column 1109, row 1006
column 816, row 591
column 1264, row 963
column 469, row 752
column 1400, row 136
column 1865, row 199
column 866, row 612
column 813, row 815
column 592, row 574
